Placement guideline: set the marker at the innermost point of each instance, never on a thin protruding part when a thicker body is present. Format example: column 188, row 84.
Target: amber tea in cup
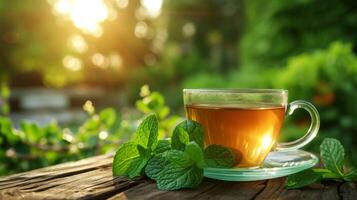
column 246, row 120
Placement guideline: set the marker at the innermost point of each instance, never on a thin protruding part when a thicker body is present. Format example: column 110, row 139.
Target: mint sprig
column 132, row 157
column 173, row 164
column 333, row 155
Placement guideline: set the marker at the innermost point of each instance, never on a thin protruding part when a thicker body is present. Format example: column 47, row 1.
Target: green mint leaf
column 185, row 132
column 155, row 166
column 195, row 153
column 332, row 155
column 174, row 170
column 179, row 139
column 181, row 177
column 130, row 160
column 219, row 156
column 143, row 152
column 162, row 146
column 147, row 132
column 351, row 175
column 302, row 179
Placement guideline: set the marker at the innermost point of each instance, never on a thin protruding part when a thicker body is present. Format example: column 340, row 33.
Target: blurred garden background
column 77, row 75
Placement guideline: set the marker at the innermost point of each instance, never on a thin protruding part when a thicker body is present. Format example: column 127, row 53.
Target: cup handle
column 311, row 133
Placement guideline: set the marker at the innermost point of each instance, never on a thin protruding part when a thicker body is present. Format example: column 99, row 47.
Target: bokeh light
column 72, row 63
column 153, row 7
column 116, row 61
column 122, row 3
column 141, row 29
column 99, row 60
column 103, row 135
column 188, row 29
column 78, row 44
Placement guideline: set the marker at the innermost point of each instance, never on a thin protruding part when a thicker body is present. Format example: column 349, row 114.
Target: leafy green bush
column 31, row 146
column 274, row 31
column 328, row 78
column 155, row 103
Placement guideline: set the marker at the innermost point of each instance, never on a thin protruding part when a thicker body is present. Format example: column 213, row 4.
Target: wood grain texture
column 92, row 179
column 348, row 191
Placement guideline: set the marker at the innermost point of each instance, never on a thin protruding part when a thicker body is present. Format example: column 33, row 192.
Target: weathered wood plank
column 84, row 179
column 275, row 190
column 61, row 169
column 92, row 179
column 55, row 172
column 148, row 190
column 348, row 191
column 90, row 184
column 209, row 189
column 234, row 190
column 272, row 190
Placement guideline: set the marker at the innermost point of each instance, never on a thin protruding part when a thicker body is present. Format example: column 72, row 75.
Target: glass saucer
column 276, row 164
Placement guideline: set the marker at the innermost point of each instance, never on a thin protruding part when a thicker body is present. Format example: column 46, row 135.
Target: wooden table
column 92, row 179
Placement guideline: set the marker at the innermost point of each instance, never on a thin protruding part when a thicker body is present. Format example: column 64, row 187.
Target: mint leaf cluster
column 173, row 163
column 332, row 155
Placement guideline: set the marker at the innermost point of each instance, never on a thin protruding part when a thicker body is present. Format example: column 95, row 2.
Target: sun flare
column 85, row 14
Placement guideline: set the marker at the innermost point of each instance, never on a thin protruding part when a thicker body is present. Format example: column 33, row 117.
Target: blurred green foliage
column 4, row 99
column 275, row 30
column 154, row 102
column 35, row 41
column 30, row 42
column 30, row 146
column 328, row 78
